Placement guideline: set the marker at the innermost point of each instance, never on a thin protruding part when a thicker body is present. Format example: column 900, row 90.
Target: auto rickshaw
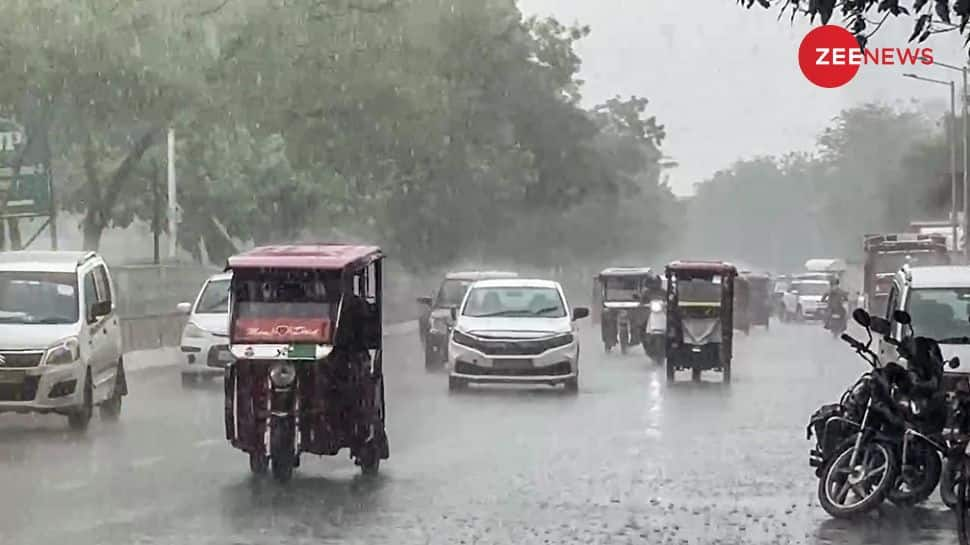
column 620, row 295
column 759, row 298
column 700, row 317
column 742, row 303
column 305, row 330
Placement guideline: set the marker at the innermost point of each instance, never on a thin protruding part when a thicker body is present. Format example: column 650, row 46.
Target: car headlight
column 282, row 374
column 561, row 340
column 63, row 352
column 463, row 339
column 656, row 306
column 193, row 331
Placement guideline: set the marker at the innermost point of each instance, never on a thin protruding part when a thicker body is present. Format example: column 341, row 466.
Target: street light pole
column 966, row 160
column 952, row 144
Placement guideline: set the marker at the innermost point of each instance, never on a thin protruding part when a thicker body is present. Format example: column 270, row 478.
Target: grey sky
column 725, row 81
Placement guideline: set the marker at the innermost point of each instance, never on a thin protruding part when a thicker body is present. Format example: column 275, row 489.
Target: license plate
column 513, row 364
column 12, row 377
column 302, row 352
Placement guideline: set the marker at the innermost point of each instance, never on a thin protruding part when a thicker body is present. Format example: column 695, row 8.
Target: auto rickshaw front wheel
column 282, row 445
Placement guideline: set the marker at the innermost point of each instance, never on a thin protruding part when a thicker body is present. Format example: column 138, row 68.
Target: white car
column 937, row 299
column 803, row 300
column 60, row 339
column 515, row 330
column 205, row 338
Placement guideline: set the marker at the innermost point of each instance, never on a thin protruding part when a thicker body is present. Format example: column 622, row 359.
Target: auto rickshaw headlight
column 656, row 306
column 282, row 374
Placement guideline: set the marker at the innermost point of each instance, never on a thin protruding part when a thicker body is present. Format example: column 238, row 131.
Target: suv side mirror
column 99, row 309
column 954, row 363
column 902, row 317
column 580, row 312
column 424, row 300
column 184, row 308
column 861, row 317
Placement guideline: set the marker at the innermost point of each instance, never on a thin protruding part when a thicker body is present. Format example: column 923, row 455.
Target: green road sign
column 26, row 192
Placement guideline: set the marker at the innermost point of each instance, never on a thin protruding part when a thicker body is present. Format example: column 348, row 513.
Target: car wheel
column 571, row 386
column 80, row 417
column 695, row 374
column 111, row 409
column 456, row 384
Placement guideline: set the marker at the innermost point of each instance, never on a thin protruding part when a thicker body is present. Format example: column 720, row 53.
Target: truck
column 887, row 253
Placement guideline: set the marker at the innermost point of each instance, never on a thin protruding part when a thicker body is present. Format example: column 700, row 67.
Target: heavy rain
column 484, row 272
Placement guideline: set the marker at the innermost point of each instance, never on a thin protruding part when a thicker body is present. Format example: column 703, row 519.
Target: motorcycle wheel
column 868, row 481
column 282, row 454
column 915, row 485
column 963, row 502
column 952, row 473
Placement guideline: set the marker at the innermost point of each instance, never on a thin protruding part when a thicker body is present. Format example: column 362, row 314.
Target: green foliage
column 875, row 170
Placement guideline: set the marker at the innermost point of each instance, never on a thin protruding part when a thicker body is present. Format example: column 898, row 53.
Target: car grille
column 21, row 359
column 23, row 391
column 558, row 369
column 516, row 347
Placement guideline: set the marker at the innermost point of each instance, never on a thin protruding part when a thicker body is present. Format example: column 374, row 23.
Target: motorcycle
column 836, row 321
column 901, row 426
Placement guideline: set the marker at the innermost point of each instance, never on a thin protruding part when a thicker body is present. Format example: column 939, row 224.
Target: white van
column 60, row 339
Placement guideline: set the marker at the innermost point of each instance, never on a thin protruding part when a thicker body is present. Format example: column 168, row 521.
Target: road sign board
column 25, row 192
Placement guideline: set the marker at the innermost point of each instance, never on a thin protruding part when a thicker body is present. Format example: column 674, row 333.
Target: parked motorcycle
column 903, row 425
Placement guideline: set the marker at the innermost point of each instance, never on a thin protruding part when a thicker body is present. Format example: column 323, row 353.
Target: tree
column 929, row 16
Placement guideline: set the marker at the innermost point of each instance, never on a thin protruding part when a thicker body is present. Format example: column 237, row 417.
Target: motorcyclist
column 836, row 298
column 922, row 381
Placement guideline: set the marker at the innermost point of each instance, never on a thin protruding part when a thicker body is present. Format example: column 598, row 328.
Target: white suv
column 60, row 340
column 515, row 330
column 937, row 299
column 205, row 339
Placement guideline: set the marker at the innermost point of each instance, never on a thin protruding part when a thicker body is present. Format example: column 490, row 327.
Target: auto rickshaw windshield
column 620, row 288
column 287, row 295
column 699, row 290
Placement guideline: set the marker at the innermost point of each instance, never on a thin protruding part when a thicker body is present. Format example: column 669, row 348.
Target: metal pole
column 966, row 249
column 953, row 165
column 172, row 203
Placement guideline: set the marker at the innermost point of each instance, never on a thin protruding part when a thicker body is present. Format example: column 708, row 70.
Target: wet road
column 628, row 460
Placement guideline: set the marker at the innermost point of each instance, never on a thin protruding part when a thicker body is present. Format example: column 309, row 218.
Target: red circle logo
column 829, row 56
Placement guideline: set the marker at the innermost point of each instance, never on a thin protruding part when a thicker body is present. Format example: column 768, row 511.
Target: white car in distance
column 205, row 338
column 515, row 330
column 803, row 300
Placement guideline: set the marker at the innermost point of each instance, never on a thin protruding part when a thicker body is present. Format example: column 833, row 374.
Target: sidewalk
column 140, row 360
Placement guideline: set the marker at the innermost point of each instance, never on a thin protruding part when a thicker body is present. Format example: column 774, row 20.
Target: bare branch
column 210, row 11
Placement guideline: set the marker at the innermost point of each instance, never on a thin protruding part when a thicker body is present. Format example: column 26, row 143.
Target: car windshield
column 514, row 302
column 452, row 292
column 811, row 288
column 38, row 298
column 215, row 298
column 621, row 288
column 940, row 313
column 892, row 261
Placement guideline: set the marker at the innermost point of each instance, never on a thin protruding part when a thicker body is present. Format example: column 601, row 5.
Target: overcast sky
column 725, row 82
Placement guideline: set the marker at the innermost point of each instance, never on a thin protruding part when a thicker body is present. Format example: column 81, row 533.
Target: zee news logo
column 829, row 56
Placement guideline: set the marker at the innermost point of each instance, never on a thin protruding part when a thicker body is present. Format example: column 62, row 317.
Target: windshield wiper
column 545, row 310
column 52, row 320
column 496, row 314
